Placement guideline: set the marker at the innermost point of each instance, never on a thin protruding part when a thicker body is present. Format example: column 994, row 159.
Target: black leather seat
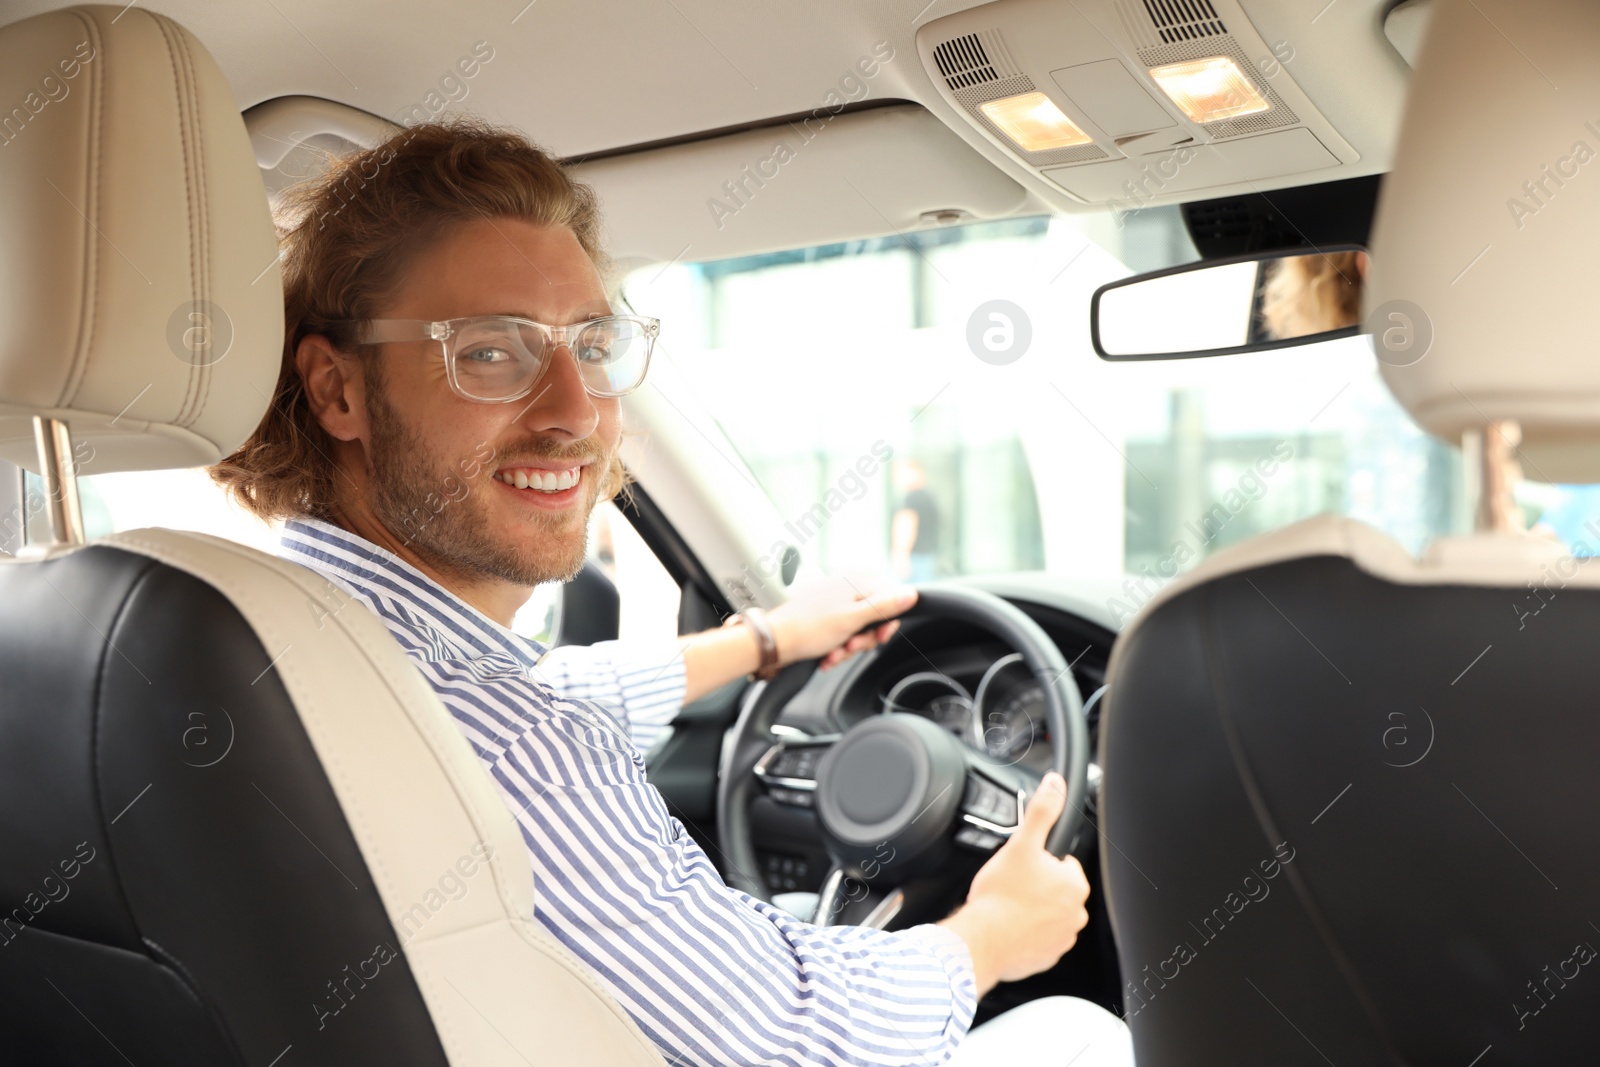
column 1340, row 833
column 182, row 886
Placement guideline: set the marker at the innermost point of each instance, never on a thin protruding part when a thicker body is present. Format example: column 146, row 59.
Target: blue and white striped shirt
column 639, row 682
column 710, row 974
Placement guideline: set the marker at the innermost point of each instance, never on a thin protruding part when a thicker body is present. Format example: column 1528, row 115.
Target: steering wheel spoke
column 788, row 770
column 847, row 900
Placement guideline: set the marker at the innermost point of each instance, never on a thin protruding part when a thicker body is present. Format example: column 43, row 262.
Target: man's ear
column 335, row 387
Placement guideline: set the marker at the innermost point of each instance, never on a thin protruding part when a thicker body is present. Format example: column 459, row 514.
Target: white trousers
column 1059, row 1031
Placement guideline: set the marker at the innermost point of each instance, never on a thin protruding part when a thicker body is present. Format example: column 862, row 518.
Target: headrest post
column 60, row 480
column 1497, row 472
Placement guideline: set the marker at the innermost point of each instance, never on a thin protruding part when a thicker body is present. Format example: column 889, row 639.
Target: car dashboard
column 973, row 686
column 962, row 678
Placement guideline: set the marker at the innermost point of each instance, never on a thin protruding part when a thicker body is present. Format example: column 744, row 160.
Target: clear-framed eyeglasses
column 495, row 359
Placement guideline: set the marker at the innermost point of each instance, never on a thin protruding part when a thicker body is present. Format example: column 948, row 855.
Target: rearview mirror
column 1221, row 307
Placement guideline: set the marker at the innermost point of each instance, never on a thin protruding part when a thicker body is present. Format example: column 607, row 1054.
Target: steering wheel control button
column 800, row 798
column 790, row 772
column 989, row 802
column 973, row 837
column 796, row 763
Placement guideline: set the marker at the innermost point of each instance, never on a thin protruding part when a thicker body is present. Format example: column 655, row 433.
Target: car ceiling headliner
column 576, row 75
column 588, row 78
column 579, row 76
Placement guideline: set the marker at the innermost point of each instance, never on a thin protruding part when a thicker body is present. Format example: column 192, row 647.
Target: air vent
column 1235, row 225
column 973, row 59
column 1184, row 20
column 964, row 63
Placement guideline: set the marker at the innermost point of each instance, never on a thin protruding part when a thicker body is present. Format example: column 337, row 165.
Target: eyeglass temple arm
column 382, row 331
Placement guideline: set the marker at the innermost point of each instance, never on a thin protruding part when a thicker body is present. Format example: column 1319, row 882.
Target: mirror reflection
column 1239, row 305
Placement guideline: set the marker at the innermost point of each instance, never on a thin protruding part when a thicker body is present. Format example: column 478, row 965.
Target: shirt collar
column 375, row 569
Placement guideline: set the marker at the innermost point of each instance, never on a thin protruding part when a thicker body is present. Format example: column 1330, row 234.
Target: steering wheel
column 897, row 793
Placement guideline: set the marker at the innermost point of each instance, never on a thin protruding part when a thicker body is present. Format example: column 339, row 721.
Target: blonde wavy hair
column 1312, row 293
column 347, row 238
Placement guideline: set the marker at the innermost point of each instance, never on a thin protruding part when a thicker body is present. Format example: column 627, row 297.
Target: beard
column 432, row 506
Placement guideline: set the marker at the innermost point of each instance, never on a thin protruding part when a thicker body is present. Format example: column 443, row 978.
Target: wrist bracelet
column 756, row 619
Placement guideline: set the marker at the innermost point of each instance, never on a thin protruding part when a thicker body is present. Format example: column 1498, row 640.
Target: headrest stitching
column 88, row 317
column 190, row 116
column 205, row 210
column 168, row 32
column 203, row 190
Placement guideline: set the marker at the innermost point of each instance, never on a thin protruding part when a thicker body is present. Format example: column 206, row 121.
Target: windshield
column 929, row 406
column 942, row 384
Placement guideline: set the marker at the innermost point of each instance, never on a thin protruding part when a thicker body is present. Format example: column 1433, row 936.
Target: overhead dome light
column 1034, row 122
column 1209, row 90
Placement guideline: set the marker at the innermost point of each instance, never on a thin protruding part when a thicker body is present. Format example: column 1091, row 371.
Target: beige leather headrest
column 1489, row 224
column 139, row 290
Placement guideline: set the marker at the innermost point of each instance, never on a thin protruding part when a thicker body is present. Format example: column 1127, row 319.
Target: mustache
column 549, row 451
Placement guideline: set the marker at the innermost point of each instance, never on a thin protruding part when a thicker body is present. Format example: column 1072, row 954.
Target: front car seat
column 238, row 826
column 1350, row 797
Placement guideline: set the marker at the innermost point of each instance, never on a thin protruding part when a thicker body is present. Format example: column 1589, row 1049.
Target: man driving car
column 446, row 418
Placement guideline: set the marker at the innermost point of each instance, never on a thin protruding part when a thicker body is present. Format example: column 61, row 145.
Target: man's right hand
column 1025, row 906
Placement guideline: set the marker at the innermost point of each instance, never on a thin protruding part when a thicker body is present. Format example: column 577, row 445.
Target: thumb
column 1042, row 811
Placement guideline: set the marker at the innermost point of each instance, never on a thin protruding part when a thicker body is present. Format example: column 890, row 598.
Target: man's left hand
column 822, row 621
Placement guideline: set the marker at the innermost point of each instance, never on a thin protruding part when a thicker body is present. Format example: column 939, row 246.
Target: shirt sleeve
column 711, row 975
column 641, row 682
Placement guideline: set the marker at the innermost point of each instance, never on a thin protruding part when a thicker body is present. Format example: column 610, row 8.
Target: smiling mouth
column 540, row 479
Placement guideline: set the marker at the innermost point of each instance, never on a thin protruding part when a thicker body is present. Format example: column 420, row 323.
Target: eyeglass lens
column 498, row 358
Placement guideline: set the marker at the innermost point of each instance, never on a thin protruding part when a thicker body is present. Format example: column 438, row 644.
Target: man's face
column 439, row 463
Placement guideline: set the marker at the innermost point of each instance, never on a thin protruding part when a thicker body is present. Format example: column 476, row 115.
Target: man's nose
column 561, row 405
